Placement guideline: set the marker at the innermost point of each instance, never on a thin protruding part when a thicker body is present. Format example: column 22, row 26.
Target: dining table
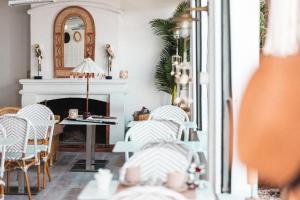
column 92, row 192
column 90, row 164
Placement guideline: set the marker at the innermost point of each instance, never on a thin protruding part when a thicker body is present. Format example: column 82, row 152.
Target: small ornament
column 39, row 56
column 184, row 79
column 110, row 56
column 123, row 74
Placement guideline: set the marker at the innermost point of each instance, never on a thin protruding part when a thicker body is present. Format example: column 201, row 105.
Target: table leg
column 88, row 147
column 93, row 143
column 21, row 182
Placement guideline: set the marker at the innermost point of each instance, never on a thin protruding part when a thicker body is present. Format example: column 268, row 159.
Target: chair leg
column 48, row 171
column 27, row 185
column 44, row 174
column 39, row 177
column 7, row 180
column 2, row 192
column 51, row 161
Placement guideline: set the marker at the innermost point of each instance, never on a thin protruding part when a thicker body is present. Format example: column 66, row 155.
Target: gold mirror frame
column 60, row 71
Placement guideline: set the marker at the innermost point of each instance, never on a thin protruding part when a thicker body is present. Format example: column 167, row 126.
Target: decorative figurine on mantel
column 39, row 56
column 110, row 56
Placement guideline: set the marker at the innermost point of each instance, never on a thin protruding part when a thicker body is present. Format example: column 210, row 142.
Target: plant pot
column 269, row 124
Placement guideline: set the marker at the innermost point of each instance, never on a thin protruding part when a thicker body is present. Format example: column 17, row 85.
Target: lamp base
column 108, row 77
column 86, row 115
column 37, row 77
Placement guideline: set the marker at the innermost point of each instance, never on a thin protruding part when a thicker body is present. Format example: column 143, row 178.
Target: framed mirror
column 74, row 39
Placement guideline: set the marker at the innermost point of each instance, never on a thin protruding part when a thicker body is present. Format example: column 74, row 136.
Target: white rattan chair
column 156, row 163
column 2, row 167
column 149, row 131
column 173, row 116
column 16, row 155
column 43, row 120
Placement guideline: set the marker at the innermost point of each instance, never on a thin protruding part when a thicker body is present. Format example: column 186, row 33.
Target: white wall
column 42, row 21
column 14, row 52
column 140, row 50
column 125, row 25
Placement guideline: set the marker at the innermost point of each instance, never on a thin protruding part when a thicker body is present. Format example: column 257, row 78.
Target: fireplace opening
column 74, row 137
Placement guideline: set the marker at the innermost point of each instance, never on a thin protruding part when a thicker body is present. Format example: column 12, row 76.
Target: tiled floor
column 267, row 193
column 67, row 185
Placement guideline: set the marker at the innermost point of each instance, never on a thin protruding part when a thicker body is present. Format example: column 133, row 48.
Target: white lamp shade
column 88, row 66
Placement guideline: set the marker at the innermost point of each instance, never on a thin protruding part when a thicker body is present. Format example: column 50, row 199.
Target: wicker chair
column 149, row 131
column 173, row 117
column 2, row 167
column 43, row 120
column 8, row 110
column 17, row 156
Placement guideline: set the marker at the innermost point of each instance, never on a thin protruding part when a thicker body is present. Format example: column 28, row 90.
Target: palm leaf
column 163, row 28
column 181, row 8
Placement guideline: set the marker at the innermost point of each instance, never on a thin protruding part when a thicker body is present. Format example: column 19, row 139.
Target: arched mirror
column 74, row 39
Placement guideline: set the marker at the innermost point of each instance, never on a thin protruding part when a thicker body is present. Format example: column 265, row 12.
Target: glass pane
column 74, row 42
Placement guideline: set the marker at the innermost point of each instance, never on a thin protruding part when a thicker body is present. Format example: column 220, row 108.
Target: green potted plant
column 163, row 28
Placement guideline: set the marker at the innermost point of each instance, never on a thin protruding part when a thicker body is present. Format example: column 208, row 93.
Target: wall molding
column 83, row 3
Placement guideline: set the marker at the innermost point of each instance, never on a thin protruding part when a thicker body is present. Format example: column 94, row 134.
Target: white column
column 245, row 59
column 117, row 108
column 214, row 95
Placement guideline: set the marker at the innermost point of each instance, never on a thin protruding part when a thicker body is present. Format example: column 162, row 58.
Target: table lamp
column 87, row 68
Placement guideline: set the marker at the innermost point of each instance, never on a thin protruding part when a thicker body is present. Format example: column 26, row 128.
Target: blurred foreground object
column 269, row 128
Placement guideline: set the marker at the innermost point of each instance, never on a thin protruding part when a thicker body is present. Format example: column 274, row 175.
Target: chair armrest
column 190, row 125
column 44, row 122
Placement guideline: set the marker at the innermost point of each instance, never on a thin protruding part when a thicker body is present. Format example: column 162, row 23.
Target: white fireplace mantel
column 111, row 91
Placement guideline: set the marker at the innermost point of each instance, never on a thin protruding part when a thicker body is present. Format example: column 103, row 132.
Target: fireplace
column 75, row 136
column 109, row 97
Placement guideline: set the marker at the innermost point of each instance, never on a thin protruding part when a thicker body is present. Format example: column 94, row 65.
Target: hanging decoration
column 181, row 67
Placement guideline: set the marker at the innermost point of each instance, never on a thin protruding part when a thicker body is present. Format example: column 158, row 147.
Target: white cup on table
column 104, row 178
column 73, row 113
